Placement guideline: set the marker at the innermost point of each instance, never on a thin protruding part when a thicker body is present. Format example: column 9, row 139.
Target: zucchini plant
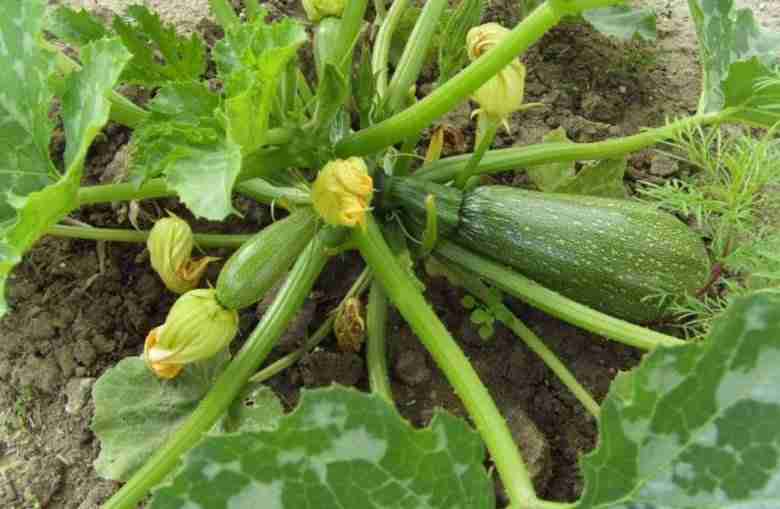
column 324, row 146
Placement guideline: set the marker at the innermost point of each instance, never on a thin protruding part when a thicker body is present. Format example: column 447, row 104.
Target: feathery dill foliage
column 731, row 197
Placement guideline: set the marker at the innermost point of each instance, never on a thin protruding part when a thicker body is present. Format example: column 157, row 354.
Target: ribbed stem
column 204, row 240
column 554, row 303
column 376, row 343
column 407, row 298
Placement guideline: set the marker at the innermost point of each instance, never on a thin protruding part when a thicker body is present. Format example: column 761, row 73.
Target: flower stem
column 322, row 332
column 415, row 118
column 496, row 161
column 351, row 24
column 205, row 240
column 554, row 303
column 474, row 286
column 264, row 192
column 154, row 188
column 376, row 343
column 286, row 304
column 384, row 38
column 407, row 298
column 486, row 140
column 415, row 52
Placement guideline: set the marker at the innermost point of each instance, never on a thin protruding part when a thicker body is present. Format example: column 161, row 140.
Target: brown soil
column 78, row 306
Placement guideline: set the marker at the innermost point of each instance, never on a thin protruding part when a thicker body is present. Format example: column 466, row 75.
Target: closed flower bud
column 170, row 246
column 502, row 94
column 318, row 9
column 197, row 327
column 342, row 192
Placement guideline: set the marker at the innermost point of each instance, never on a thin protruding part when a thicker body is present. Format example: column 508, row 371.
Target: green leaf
column 602, row 178
column 146, row 37
column 696, row 426
column 75, row 27
column 486, row 331
column 185, row 102
column 339, row 449
column 136, row 412
column 468, row 302
column 25, row 99
column 85, row 111
column 452, row 50
column 623, row 22
column 736, row 53
column 480, row 316
column 252, row 60
column 256, row 409
column 549, row 177
column 197, row 162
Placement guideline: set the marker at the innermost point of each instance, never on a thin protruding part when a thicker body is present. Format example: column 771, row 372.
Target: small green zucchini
column 326, row 43
column 612, row 255
column 259, row 264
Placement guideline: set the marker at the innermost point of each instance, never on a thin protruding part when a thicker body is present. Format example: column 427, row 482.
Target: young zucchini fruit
column 257, row 265
column 612, row 255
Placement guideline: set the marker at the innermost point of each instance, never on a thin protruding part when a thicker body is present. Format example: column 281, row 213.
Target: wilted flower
column 502, row 94
column 342, row 192
column 318, row 9
column 197, row 327
column 349, row 326
column 170, row 246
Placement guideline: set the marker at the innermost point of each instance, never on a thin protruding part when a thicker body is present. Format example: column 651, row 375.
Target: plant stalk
column 554, row 303
column 263, row 191
column 351, row 24
column 384, row 38
column 415, row 52
column 485, row 142
column 474, row 286
column 376, row 343
column 407, row 298
column 496, row 161
column 286, row 304
column 204, row 240
column 414, row 119
column 322, row 332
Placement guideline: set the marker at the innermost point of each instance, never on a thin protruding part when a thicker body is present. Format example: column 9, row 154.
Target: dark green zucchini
column 257, row 265
column 612, row 255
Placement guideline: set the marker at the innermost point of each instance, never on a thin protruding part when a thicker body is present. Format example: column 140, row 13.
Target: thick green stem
column 263, row 191
column 204, row 240
column 155, row 188
column 384, row 38
column 286, row 304
column 554, row 303
column 485, row 142
column 407, row 298
column 474, row 286
column 322, row 332
column 351, row 24
column 415, row 52
column 446, row 97
column 496, row 161
column 376, row 343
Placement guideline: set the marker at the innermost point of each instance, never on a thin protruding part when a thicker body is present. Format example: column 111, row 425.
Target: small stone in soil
column 412, row 368
column 77, row 392
column 533, row 446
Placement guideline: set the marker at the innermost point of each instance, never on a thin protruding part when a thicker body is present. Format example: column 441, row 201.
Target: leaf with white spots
column 25, row 100
column 85, row 111
column 339, row 449
column 696, row 427
column 136, row 412
column 737, row 55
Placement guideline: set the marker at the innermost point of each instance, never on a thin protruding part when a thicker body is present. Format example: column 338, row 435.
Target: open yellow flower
column 170, row 246
column 342, row 192
column 197, row 327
